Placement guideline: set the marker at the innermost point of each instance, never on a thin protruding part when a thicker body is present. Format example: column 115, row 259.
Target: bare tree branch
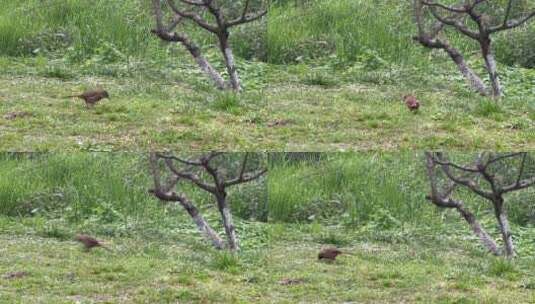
column 190, row 176
column 192, row 16
column 183, row 170
column 189, row 10
column 457, row 18
column 455, row 23
column 245, row 178
column 509, row 24
column 495, row 196
column 471, row 184
column 444, row 200
column 521, row 184
column 453, row 9
column 184, row 161
column 166, row 194
column 503, row 156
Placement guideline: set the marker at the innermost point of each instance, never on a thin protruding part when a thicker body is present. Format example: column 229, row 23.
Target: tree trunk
column 229, row 61
column 202, row 224
column 227, row 221
column 484, row 237
column 195, row 51
column 490, row 64
column 205, row 66
column 473, row 80
column 507, row 237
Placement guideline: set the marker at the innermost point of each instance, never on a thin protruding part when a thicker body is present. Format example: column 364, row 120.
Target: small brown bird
column 412, row 103
column 15, row 275
column 329, row 254
column 93, row 96
column 291, row 281
column 90, row 242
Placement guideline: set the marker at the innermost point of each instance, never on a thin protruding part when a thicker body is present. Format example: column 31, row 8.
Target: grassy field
column 296, row 96
column 386, row 267
column 294, row 108
column 372, row 206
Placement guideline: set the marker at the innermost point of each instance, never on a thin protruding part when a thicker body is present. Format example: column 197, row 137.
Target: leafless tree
column 212, row 17
column 471, row 18
column 206, row 173
column 490, row 176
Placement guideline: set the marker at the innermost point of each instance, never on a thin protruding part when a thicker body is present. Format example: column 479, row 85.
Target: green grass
column 357, row 184
column 331, row 109
column 347, row 98
column 78, row 182
column 38, row 27
column 387, row 189
column 172, row 269
column 398, row 247
column 99, row 187
column 350, row 28
column 138, row 271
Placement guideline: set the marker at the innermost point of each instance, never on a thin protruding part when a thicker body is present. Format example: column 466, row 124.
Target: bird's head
column 106, row 95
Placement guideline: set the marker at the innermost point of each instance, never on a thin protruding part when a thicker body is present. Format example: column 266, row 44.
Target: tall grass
column 350, row 27
column 355, row 186
column 84, row 25
column 77, row 30
column 108, row 187
column 78, row 185
column 349, row 187
column 81, row 29
column 386, row 189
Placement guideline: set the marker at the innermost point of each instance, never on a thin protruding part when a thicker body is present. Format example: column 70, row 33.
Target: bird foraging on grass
column 92, row 97
column 329, row 254
column 90, row 242
column 411, row 102
column 15, row 275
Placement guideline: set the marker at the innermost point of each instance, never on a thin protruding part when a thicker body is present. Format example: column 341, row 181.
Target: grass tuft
column 226, row 261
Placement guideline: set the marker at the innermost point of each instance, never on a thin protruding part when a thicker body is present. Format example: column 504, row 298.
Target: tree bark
column 229, row 61
column 483, row 236
column 230, row 230
column 195, row 52
column 203, row 225
column 473, row 80
column 198, row 219
column 205, row 66
column 490, row 63
column 507, row 237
